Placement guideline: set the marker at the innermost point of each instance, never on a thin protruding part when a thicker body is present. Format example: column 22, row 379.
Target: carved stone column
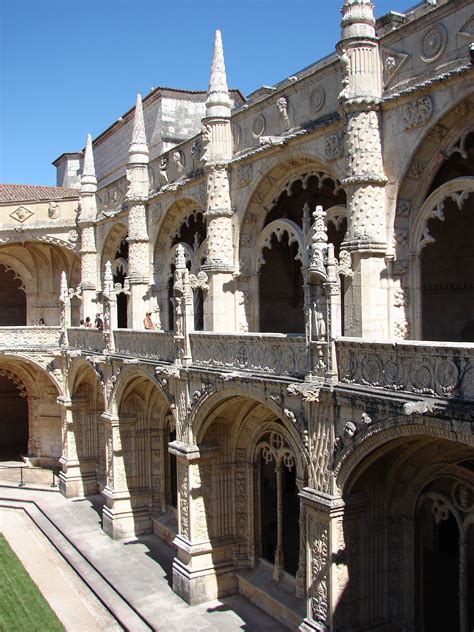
column 122, row 517
column 76, row 478
column 137, row 195
column 360, row 98
column 326, row 571
column 219, row 303
column 86, row 227
column 202, row 570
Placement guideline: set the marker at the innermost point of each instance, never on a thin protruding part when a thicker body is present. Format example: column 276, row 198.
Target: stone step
column 275, row 598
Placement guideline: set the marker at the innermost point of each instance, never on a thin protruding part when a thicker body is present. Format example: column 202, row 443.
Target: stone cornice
column 428, row 83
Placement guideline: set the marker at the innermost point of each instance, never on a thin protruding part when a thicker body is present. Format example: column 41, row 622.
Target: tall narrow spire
column 218, row 100
column 88, row 179
column 138, row 147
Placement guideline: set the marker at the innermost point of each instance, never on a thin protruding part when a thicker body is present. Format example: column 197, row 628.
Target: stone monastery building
column 299, row 425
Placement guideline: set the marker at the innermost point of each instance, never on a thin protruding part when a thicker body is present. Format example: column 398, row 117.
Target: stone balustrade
column 16, row 338
column 86, row 339
column 441, row 369
column 158, row 345
column 271, row 354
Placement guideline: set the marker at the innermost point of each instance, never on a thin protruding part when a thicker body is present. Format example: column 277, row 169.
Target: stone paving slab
column 132, row 568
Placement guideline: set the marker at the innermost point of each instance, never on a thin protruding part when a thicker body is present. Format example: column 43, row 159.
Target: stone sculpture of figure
column 346, row 66
column 206, row 140
column 163, row 175
column 179, row 315
column 282, row 105
column 178, row 162
column 319, row 321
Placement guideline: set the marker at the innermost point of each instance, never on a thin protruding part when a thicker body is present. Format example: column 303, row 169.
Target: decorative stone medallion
column 318, row 96
column 236, row 136
column 21, row 214
column 258, row 127
column 433, row 43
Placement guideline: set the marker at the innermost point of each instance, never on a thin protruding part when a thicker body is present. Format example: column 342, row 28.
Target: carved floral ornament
column 417, row 113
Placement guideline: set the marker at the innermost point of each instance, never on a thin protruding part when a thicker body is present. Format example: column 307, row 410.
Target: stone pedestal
column 219, row 303
column 366, row 313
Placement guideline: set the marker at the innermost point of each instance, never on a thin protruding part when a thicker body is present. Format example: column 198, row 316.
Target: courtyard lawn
column 22, row 606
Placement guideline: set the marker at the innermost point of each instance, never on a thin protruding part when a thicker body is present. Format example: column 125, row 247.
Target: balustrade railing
column 441, row 369
column 271, row 354
column 29, row 337
column 158, row 345
column 86, row 339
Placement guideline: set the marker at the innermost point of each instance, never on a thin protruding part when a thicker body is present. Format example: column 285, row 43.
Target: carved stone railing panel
column 441, row 369
column 273, row 354
column 86, row 339
column 145, row 344
column 29, row 337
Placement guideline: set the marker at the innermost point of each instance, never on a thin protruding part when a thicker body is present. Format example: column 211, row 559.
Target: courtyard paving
column 102, row 584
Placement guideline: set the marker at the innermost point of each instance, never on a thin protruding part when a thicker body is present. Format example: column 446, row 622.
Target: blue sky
column 68, row 68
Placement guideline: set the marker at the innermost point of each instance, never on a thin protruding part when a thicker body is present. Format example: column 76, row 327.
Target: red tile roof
column 32, row 193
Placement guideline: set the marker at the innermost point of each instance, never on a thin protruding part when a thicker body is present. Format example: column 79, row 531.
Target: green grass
column 22, row 606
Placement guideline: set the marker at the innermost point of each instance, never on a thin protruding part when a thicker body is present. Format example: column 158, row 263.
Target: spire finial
column 88, row 179
column 358, row 19
column 218, row 101
column 138, row 147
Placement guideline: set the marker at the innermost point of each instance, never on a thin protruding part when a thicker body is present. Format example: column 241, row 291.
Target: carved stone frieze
column 406, row 367
column 274, row 356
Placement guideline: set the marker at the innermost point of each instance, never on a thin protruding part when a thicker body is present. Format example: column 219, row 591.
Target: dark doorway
column 291, row 510
column 268, row 510
column 281, row 288
column 13, row 420
column 12, row 299
column 447, row 273
column 438, row 571
column 121, row 271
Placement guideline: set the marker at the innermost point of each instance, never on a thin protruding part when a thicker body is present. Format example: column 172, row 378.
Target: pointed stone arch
column 421, row 188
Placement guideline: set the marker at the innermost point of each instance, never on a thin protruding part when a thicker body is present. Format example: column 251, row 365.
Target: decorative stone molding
column 308, row 391
column 21, row 214
column 458, row 190
column 392, row 62
column 417, row 113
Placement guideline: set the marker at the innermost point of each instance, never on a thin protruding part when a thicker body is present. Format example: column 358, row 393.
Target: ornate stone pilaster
column 86, row 228
column 219, row 308
column 201, row 571
column 365, row 179
column 124, row 515
column 137, row 195
column 326, row 570
column 76, row 478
